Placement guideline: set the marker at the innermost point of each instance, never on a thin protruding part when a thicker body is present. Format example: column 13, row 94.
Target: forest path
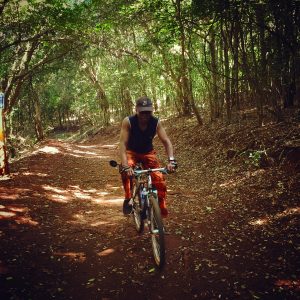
column 63, row 236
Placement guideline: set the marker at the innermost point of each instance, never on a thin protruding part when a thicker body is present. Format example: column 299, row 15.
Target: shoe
column 127, row 207
column 166, row 232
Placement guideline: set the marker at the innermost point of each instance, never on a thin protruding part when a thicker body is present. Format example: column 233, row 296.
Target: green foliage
column 89, row 60
column 254, row 157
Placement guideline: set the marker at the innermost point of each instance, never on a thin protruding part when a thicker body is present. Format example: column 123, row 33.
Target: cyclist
column 137, row 133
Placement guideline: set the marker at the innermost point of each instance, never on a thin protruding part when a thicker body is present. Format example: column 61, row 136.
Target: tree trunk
column 227, row 74
column 184, row 77
column 215, row 110
column 37, row 113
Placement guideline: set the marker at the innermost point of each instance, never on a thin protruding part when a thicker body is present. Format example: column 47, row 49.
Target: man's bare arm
column 124, row 137
column 161, row 133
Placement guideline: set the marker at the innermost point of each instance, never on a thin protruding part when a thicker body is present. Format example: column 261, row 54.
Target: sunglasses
column 145, row 112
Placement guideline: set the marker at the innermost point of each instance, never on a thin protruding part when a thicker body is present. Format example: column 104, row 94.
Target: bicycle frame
column 140, row 183
column 149, row 210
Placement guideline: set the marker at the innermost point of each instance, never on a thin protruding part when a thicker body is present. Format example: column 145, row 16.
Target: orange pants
column 148, row 160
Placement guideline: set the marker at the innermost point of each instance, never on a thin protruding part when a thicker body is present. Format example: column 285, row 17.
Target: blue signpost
column 1, row 100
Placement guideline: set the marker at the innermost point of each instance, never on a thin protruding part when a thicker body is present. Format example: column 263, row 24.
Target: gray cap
column 144, row 104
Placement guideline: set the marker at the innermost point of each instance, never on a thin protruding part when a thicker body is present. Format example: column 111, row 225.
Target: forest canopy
column 72, row 63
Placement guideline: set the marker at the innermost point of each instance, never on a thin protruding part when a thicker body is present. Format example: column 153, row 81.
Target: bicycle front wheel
column 136, row 210
column 157, row 232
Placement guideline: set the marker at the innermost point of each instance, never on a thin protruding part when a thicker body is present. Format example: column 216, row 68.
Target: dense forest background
column 76, row 63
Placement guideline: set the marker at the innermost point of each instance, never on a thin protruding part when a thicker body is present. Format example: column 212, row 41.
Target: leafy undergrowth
column 237, row 194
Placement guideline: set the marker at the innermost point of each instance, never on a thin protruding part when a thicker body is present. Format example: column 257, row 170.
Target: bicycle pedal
column 166, row 232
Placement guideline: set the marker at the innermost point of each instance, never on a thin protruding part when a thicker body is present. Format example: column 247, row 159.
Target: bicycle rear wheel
column 157, row 232
column 136, row 209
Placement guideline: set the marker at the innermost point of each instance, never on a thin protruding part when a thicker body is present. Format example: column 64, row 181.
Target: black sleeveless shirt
column 140, row 141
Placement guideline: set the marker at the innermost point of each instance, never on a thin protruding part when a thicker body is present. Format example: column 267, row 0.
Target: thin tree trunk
column 37, row 112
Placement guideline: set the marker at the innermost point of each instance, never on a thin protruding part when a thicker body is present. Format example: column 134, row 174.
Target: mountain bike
column 145, row 209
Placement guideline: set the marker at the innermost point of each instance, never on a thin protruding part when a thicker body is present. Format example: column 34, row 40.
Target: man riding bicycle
column 136, row 137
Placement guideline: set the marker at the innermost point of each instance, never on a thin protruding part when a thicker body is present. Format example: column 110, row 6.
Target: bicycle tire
column 157, row 232
column 136, row 210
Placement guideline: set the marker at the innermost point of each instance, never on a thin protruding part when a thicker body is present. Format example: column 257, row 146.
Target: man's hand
column 127, row 169
column 171, row 166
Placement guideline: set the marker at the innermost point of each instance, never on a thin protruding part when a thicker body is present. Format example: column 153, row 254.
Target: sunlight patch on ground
column 6, row 215
column 84, row 152
column 13, row 194
column 113, row 187
column 85, row 219
column 259, row 222
column 47, row 150
column 58, row 195
column 78, row 217
column 103, row 193
column 77, row 188
column 12, row 214
column 6, row 196
column 230, row 183
column 106, row 252
column 75, row 256
column 60, row 198
column 35, row 174
column 74, row 192
column 87, row 146
column 269, row 219
column 26, row 220
column 288, row 212
column 99, row 223
column 96, row 156
column 82, row 195
column 106, row 201
column 288, row 283
column 53, row 189
column 110, row 146
column 17, row 209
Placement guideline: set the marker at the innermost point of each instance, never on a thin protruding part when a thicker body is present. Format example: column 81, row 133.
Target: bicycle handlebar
column 137, row 172
column 145, row 171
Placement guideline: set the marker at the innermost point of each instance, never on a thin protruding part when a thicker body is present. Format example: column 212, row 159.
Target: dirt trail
column 63, row 236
